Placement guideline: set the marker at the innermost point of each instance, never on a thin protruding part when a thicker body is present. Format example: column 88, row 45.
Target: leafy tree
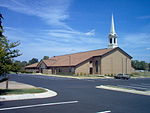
column 16, row 66
column 45, row 57
column 140, row 65
column 19, row 66
column 24, row 63
column 33, row 60
column 7, row 52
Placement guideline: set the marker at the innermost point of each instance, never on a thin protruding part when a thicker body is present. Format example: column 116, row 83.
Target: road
column 80, row 96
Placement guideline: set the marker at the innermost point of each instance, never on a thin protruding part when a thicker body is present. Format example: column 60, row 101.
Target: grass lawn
column 21, row 91
column 78, row 76
column 141, row 74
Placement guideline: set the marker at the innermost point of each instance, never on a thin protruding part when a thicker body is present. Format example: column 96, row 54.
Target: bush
column 81, row 74
column 84, row 74
column 111, row 75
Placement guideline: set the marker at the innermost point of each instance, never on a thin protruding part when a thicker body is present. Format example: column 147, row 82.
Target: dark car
column 122, row 76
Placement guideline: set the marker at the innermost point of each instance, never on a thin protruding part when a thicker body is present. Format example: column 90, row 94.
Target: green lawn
column 21, row 91
column 141, row 74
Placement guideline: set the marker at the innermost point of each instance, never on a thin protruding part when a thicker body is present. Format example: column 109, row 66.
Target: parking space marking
column 38, row 105
column 145, row 84
column 140, row 85
column 104, row 112
column 132, row 87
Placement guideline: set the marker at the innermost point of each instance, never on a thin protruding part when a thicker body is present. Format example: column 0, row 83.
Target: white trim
column 104, row 112
column 37, row 105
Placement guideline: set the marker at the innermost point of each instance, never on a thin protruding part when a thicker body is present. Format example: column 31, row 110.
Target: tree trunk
column 6, row 84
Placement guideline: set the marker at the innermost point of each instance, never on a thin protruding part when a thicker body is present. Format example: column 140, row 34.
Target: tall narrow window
column 59, row 70
column 91, row 70
column 110, row 40
column 114, row 40
column 96, row 66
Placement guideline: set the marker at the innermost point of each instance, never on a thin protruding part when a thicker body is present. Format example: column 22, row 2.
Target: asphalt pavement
column 80, row 96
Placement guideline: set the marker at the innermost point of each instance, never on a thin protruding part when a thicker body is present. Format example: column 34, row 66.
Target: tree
column 33, row 60
column 140, row 65
column 24, row 63
column 7, row 53
column 45, row 57
column 19, row 66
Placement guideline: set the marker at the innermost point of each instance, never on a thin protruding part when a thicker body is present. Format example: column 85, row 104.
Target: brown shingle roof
column 32, row 65
column 74, row 59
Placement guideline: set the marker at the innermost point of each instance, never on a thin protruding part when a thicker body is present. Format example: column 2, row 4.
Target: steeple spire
column 112, row 29
column 112, row 35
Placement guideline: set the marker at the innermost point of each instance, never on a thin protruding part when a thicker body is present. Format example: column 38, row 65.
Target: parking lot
column 140, row 86
column 81, row 96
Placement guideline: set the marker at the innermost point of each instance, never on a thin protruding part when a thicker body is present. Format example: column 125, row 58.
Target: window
column 114, row 40
column 90, row 62
column 72, row 69
column 59, row 70
column 110, row 40
column 91, row 70
column 69, row 69
column 96, row 66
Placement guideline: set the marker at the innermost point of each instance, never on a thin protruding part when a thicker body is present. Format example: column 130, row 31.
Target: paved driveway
column 79, row 96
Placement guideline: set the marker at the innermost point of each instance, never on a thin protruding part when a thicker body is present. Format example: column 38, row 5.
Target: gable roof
column 74, row 59
column 32, row 65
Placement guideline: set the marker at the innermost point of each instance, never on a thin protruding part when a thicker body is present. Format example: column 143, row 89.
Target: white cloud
column 44, row 43
column 69, row 33
column 136, row 40
column 62, row 39
column 54, row 12
column 147, row 48
column 144, row 17
column 90, row 33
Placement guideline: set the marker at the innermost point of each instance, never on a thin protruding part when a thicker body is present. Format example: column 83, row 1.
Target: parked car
column 122, row 76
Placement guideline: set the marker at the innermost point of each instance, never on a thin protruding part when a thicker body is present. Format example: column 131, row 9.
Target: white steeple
column 112, row 35
column 112, row 29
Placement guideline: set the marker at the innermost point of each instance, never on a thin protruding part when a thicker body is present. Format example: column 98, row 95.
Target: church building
column 111, row 60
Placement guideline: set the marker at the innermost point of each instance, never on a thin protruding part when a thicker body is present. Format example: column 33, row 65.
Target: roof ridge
column 82, row 52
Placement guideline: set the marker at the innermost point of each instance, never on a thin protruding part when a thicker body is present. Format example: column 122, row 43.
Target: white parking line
column 104, row 112
column 132, row 87
column 147, row 86
column 38, row 105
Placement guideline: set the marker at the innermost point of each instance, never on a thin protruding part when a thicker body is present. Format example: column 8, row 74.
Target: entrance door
column 41, row 70
column 91, row 70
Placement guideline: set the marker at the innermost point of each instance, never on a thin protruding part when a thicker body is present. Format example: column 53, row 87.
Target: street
column 81, row 96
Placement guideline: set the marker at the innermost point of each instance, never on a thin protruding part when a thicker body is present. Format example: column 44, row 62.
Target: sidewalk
column 74, row 77
column 124, row 90
column 17, row 85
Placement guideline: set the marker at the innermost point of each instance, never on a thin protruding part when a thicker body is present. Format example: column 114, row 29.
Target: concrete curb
column 47, row 94
column 124, row 90
column 72, row 77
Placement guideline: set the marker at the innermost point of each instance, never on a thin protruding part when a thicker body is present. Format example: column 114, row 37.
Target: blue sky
column 57, row 27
